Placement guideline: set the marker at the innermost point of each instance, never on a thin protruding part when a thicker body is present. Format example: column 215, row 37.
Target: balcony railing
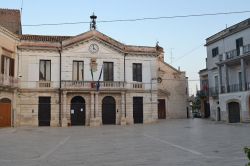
column 137, row 85
column 203, row 93
column 246, row 49
column 248, row 86
column 231, row 54
column 44, row 84
column 92, row 85
column 234, row 88
column 8, row 81
column 214, row 91
column 235, row 53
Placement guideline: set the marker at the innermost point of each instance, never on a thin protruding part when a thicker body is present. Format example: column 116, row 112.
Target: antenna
column 21, row 8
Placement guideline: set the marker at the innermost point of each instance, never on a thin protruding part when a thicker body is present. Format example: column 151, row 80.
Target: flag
column 92, row 73
column 98, row 82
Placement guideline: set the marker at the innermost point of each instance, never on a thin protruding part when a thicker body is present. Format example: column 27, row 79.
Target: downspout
column 60, row 84
column 124, row 80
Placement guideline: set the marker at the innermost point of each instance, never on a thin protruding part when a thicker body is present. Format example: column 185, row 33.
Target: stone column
column 92, row 105
column 243, row 74
column 220, row 80
column 123, row 118
column 64, row 109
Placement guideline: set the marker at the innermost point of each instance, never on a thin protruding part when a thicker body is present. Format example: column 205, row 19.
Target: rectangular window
column 239, row 43
column 137, row 72
column 44, row 70
column 216, row 81
column 215, row 51
column 240, row 78
column 78, row 71
column 7, row 66
column 108, row 71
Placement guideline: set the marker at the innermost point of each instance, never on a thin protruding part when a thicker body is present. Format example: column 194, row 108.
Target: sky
column 183, row 39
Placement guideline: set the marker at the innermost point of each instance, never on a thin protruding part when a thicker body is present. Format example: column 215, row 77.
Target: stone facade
column 172, row 87
column 8, row 82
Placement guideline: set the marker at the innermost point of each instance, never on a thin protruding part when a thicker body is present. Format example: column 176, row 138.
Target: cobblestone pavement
column 192, row 142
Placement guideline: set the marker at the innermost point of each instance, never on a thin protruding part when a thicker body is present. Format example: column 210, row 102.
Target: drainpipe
column 124, row 80
column 60, row 84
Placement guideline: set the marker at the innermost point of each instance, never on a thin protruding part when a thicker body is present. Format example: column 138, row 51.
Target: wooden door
column 77, row 111
column 108, row 110
column 5, row 114
column 138, row 109
column 161, row 109
column 44, row 111
column 234, row 112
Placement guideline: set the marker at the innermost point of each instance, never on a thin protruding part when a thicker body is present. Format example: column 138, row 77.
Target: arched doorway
column 77, row 111
column 108, row 110
column 5, row 112
column 234, row 112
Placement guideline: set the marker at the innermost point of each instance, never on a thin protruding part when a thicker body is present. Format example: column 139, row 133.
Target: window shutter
column 2, row 64
column 12, row 67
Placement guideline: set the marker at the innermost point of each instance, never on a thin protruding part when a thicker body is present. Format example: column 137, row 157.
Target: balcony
column 88, row 85
column 236, row 53
column 234, row 88
column 8, row 81
column 203, row 93
column 214, row 91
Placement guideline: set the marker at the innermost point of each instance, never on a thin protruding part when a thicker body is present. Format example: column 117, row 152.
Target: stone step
column 247, row 120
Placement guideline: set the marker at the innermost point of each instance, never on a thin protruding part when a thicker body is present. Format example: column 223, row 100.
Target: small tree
column 247, row 152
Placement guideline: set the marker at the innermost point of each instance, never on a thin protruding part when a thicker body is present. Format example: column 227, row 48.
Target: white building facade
column 89, row 79
column 228, row 57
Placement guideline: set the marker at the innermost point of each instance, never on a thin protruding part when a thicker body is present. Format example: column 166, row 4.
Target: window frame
column 107, row 76
column 78, row 62
column 137, row 72
column 215, row 51
column 46, row 60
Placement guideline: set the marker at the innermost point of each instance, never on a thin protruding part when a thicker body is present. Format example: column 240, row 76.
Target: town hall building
column 91, row 79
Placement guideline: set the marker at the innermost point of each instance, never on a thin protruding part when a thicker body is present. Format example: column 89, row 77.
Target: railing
column 203, row 93
column 214, row 91
column 44, row 84
column 231, row 54
column 234, row 88
column 8, row 81
column 137, row 85
column 246, row 49
column 235, row 53
column 92, row 85
column 248, row 86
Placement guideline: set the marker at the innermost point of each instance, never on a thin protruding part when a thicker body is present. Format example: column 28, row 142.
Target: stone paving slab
column 195, row 142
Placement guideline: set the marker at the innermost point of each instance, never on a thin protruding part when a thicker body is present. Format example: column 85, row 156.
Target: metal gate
column 44, row 111
column 234, row 112
column 5, row 113
column 108, row 110
column 77, row 111
column 138, row 109
column 161, row 109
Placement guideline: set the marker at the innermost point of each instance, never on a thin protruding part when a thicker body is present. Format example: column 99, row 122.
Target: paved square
column 192, row 142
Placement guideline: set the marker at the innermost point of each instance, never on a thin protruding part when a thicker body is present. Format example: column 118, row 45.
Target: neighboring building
column 204, row 93
column 228, row 59
column 8, row 76
column 172, row 91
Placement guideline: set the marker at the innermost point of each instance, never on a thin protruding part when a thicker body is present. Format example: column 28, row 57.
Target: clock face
column 93, row 48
